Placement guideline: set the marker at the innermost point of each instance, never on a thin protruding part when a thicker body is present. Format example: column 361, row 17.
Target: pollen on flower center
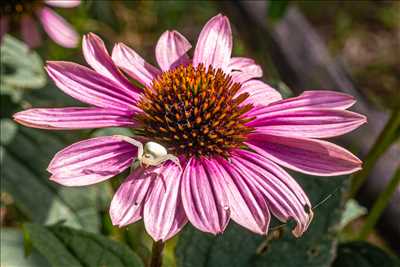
column 195, row 112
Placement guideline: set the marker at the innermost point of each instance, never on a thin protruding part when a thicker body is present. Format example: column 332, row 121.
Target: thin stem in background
column 380, row 205
column 384, row 140
column 156, row 254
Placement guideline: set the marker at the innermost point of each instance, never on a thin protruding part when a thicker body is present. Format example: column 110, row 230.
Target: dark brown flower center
column 16, row 8
column 195, row 112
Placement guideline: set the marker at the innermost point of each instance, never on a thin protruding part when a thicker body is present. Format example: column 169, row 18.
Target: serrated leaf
column 24, row 162
column 363, row 254
column 237, row 247
column 21, row 68
column 12, row 251
column 65, row 247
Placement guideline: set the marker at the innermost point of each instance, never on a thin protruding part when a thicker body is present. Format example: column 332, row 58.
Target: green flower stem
column 156, row 254
column 384, row 140
column 380, row 205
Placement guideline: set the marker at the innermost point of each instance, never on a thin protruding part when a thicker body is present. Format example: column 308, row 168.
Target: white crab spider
column 151, row 153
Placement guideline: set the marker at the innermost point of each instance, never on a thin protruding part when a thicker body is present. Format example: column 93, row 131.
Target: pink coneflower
column 229, row 131
column 20, row 13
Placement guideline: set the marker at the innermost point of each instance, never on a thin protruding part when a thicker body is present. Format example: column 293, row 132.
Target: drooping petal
column 127, row 204
column 238, row 63
column 74, row 118
column 29, row 32
column 96, row 55
column 214, row 46
column 285, row 198
column 261, row 94
column 247, row 73
column 91, row 161
column 243, row 69
column 171, row 50
column 134, row 65
column 163, row 212
column 89, row 86
column 319, row 123
column 308, row 100
column 247, row 205
column 309, row 156
column 57, row 28
column 63, row 3
column 4, row 21
column 203, row 196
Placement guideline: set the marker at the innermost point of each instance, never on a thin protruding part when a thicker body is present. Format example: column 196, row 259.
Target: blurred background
column 347, row 46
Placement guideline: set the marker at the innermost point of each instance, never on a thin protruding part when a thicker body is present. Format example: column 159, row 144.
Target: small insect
column 151, row 154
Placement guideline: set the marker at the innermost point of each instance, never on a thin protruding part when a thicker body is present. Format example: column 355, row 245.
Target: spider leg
column 168, row 157
column 135, row 163
column 132, row 141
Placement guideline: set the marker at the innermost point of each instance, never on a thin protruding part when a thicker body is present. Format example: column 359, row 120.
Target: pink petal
column 29, row 31
column 58, row 29
column 127, row 203
column 309, row 156
column 88, row 86
column 97, row 57
column 308, row 100
column 63, row 3
column 238, row 63
column 73, row 118
column 203, row 196
column 134, row 65
column 322, row 123
column 285, row 198
column 180, row 220
column 171, row 50
column 214, row 46
column 91, row 161
column 247, row 205
column 247, row 73
column 163, row 213
column 4, row 21
column 261, row 94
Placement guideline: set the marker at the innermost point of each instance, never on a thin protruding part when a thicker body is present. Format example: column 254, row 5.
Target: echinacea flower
column 21, row 13
column 229, row 130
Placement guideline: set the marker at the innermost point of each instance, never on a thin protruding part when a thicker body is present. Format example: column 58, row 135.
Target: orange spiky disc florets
column 195, row 112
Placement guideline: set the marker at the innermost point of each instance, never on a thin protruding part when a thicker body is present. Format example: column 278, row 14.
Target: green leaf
column 24, row 162
column 49, row 96
column 237, row 247
column 63, row 246
column 21, row 68
column 12, row 251
column 363, row 254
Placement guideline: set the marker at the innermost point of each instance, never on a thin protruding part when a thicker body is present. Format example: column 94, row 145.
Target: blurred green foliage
column 65, row 247
column 21, row 69
column 366, row 35
column 363, row 254
column 72, row 224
